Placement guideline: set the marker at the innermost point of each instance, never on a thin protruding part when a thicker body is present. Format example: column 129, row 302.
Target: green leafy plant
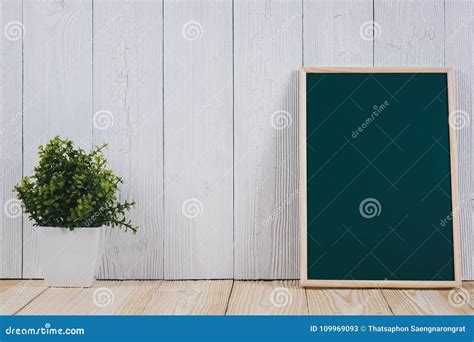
column 71, row 188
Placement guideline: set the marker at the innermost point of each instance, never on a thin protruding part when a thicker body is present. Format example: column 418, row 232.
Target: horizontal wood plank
column 15, row 294
column 190, row 298
column 53, row 301
column 219, row 297
column 104, row 298
column 347, row 302
column 425, row 302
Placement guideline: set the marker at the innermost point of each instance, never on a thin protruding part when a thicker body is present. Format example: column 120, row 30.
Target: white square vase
column 69, row 258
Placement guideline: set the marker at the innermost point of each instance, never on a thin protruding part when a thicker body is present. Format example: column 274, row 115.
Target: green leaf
column 72, row 188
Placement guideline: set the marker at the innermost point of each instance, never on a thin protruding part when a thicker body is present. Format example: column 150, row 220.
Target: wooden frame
column 304, row 281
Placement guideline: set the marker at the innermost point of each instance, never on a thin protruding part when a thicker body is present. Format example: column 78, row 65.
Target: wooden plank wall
column 458, row 49
column 197, row 100
column 128, row 114
column 57, row 87
column 198, row 88
column 11, row 51
column 268, row 53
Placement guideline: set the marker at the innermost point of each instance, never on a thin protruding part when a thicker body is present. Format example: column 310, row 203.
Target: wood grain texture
column 128, row 114
column 267, row 45
column 388, row 70
column 466, row 294
column 10, row 137
column 261, row 41
column 267, row 298
column 458, row 49
column 347, row 302
column 198, row 140
column 302, row 181
column 332, row 32
column 52, row 301
column 425, row 302
column 15, row 294
column 410, row 33
column 219, row 297
column 190, row 298
column 104, row 298
column 57, row 87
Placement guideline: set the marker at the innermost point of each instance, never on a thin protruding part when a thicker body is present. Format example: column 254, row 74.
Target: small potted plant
column 70, row 197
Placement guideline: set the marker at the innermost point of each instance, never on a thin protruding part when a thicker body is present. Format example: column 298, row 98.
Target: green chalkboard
column 378, row 178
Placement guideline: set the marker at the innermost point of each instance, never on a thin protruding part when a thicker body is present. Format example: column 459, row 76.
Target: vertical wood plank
column 10, row 136
column 410, row 33
column 128, row 114
column 57, row 87
column 198, row 140
column 268, row 53
column 458, row 48
column 337, row 33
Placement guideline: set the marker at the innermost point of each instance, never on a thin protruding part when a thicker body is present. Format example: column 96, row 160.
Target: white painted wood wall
column 186, row 92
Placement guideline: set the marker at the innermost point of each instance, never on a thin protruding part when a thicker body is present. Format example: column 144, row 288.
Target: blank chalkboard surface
column 378, row 185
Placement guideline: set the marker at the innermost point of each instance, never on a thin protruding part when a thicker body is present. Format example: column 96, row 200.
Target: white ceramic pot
column 69, row 258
